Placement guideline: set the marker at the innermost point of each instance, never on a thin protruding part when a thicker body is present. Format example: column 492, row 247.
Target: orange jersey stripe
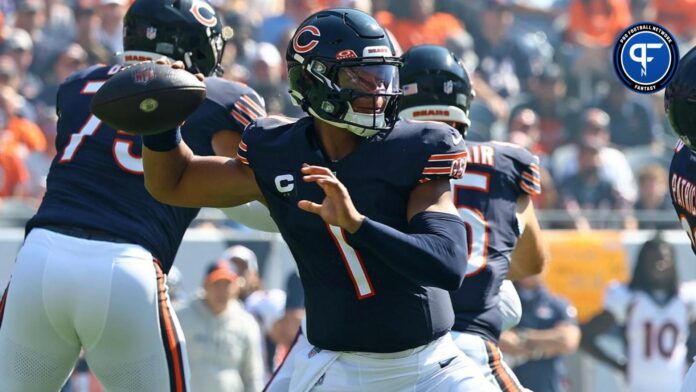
column 245, row 109
column 447, row 157
column 498, row 371
column 529, row 189
column 240, row 118
column 254, row 106
column 531, row 178
column 172, row 342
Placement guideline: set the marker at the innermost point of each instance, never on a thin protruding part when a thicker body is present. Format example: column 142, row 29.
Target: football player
column 681, row 112
column 363, row 202
column 657, row 316
column 91, row 272
column 493, row 199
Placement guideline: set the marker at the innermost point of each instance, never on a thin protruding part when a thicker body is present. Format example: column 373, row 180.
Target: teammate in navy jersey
column 493, row 199
column 681, row 112
column 363, row 203
column 91, row 273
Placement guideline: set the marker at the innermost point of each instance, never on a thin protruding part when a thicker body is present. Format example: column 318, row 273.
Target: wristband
column 163, row 142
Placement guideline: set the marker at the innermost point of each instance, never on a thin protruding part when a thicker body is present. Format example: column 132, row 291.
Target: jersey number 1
column 121, row 148
column 354, row 265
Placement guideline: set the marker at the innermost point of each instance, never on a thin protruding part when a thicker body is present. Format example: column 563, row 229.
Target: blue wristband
column 163, row 142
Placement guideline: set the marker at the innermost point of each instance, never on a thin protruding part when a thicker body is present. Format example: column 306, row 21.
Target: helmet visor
column 371, row 85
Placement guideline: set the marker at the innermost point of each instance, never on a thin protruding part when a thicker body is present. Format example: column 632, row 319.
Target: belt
column 86, row 233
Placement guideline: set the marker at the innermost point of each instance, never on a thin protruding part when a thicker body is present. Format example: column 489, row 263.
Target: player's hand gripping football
column 337, row 208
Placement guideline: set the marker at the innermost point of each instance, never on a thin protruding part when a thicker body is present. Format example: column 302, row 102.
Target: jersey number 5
column 476, row 223
column 121, row 148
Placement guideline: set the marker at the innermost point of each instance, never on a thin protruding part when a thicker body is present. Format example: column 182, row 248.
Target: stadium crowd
column 541, row 70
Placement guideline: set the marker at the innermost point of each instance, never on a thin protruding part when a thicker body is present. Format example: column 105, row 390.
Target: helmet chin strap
column 360, row 131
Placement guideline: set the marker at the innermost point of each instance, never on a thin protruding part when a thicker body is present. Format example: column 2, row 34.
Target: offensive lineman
column 363, row 203
column 681, row 112
column 91, row 272
column 493, row 199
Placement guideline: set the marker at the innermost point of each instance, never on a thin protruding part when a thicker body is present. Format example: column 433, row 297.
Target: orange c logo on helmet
column 311, row 44
column 208, row 21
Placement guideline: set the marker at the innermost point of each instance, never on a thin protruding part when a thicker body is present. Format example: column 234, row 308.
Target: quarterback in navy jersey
column 493, row 199
column 91, row 273
column 681, row 112
column 363, row 202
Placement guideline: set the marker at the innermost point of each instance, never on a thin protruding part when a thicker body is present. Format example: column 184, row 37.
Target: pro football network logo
column 645, row 57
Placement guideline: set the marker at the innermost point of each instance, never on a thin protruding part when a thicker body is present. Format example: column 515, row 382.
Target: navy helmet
column 436, row 87
column 185, row 30
column 342, row 69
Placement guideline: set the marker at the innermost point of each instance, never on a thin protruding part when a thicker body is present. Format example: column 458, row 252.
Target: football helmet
column 342, row 69
column 185, row 30
column 680, row 100
column 436, row 87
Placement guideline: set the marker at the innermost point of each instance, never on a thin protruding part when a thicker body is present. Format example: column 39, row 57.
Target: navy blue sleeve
column 446, row 152
column 525, row 168
column 432, row 253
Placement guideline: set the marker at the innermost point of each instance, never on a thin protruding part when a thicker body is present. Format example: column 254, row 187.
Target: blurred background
column 543, row 78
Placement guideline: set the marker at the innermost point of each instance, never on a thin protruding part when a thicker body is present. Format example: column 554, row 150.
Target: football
column 148, row 98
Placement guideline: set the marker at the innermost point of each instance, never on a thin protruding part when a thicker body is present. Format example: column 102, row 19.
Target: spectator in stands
column 71, row 59
column 415, row 22
column 244, row 263
column 26, row 135
column 524, row 130
column 587, row 190
column 38, row 162
column 547, row 331
column 533, row 16
column 597, row 23
column 614, row 166
column 503, row 65
column 653, row 198
column 223, row 340
column 633, row 122
column 87, row 23
column 557, row 112
column 266, row 78
column 677, row 16
column 296, row 11
column 13, row 173
column 657, row 315
column 110, row 32
column 20, row 48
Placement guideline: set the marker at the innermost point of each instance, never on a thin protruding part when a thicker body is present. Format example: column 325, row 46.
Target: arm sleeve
column 243, row 149
column 526, row 169
column 446, row 153
column 431, row 254
column 616, row 301
column 246, row 109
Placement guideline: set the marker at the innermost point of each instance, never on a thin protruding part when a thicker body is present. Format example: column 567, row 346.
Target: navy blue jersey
column 682, row 178
column 354, row 301
column 497, row 175
column 95, row 180
column 227, row 106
